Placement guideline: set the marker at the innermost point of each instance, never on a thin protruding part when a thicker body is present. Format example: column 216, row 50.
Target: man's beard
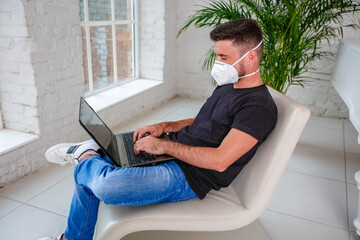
column 241, row 70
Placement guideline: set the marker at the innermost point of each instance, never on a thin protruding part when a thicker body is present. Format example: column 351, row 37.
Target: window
column 109, row 42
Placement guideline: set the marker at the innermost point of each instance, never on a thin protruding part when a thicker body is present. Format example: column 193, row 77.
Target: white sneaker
column 65, row 153
column 52, row 238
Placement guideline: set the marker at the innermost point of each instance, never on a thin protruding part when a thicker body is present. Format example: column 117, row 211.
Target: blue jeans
column 96, row 179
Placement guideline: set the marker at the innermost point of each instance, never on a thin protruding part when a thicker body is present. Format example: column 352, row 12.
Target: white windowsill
column 11, row 139
column 108, row 98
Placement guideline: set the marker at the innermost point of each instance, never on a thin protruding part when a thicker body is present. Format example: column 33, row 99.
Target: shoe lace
column 68, row 159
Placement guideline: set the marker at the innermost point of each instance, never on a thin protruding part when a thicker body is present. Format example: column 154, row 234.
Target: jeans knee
column 105, row 189
column 99, row 191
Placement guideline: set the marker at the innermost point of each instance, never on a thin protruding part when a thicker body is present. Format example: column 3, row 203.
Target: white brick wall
column 18, row 93
column 42, row 78
column 44, row 67
column 191, row 46
column 152, row 39
column 319, row 94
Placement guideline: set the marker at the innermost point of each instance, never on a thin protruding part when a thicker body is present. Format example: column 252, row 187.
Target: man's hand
column 155, row 130
column 150, row 145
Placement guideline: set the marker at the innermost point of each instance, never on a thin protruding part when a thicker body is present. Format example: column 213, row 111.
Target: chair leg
column 253, row 231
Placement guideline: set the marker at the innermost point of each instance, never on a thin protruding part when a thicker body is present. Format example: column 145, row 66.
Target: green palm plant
column 292, row 32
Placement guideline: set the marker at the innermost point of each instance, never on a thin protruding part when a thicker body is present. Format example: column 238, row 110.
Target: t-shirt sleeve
column 254, row 120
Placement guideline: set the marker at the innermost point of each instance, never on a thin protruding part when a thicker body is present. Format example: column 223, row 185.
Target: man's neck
column 249, row 82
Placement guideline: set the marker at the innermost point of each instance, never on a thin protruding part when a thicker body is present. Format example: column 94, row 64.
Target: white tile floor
column 316, row 199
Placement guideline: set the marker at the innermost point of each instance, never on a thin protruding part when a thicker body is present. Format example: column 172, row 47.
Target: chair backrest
column 258, row 181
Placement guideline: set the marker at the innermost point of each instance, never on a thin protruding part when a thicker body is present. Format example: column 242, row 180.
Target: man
column 211, row 149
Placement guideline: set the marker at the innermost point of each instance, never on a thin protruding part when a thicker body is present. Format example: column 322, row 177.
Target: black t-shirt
column 251, row 110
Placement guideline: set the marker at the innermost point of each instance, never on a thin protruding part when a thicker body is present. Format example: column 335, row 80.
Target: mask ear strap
column 241, row 58
column 250, row 74
column 258, row 45
column 247, row 53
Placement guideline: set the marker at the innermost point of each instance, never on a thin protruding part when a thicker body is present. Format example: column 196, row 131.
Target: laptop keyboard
column 134, row 159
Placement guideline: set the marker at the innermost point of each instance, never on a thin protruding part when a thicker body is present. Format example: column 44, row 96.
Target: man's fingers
column 137, row 134
column 137, row 148
column 147, row 129
column 153, row 130
column 141, row 133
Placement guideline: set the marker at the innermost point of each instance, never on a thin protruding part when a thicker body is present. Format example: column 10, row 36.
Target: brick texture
column 18, row 93
column 42, row 74
column 41, row 78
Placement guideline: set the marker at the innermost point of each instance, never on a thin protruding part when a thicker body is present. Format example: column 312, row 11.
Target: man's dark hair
column 244, row 32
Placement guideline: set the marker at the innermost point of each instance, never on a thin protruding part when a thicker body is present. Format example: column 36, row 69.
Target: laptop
column 120, row 147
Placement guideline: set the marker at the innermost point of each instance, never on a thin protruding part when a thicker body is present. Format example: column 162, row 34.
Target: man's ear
column 252, row 57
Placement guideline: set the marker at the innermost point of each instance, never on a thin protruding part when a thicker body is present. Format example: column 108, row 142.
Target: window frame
column 113, row 23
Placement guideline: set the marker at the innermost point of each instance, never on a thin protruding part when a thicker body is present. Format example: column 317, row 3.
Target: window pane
column 99, row 10
column 123, row 9
column 124, row 51
column 102, row 56
column 85, row 62
column 81, row 10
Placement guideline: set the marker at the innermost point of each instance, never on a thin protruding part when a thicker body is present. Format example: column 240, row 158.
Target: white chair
column 235, row 207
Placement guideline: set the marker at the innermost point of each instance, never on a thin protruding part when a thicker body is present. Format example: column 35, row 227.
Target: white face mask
column 225, row 73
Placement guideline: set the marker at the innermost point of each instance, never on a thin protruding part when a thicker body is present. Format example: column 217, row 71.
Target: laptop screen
column 97, row 129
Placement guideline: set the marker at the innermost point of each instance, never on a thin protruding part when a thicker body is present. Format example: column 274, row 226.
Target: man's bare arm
column 157, row 129
column 234, row 145
column 178, row 125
